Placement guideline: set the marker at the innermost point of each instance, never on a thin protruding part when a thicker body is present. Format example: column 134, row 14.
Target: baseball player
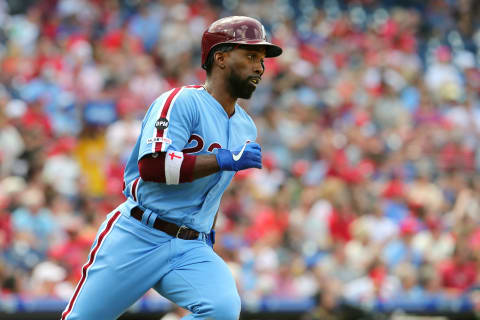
column 192, row 142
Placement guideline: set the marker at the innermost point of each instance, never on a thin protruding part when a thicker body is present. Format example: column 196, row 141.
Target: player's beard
column 240, row 88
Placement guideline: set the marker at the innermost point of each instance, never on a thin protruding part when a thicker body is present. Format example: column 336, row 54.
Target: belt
column 172, row 229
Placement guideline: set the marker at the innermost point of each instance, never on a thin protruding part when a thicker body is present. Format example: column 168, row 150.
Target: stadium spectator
column 369, row 123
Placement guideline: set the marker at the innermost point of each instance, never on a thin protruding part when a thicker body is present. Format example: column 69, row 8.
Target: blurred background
column 368, row 206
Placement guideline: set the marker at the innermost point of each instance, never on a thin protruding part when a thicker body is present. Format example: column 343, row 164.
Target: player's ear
column 219, row 58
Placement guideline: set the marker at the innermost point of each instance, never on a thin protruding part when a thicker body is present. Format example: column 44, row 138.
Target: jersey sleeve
column 168, row 124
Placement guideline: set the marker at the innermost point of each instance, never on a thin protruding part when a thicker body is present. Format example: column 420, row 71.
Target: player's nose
column 259, row 68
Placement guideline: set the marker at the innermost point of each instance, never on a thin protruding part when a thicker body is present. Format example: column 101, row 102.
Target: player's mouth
column 255, row 80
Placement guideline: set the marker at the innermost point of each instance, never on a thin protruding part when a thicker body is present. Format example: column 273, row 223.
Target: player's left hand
column 249, row 156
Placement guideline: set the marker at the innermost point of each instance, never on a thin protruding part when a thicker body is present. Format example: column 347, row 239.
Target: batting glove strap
column 250, row 156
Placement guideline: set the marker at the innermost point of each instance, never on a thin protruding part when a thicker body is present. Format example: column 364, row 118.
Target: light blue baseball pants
column 128, row 258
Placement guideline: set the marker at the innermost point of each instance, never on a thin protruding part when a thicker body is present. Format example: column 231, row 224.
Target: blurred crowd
column 369, row 122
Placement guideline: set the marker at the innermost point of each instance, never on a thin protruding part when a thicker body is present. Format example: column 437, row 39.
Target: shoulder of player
column 188, row 92
column 178, row 96
column 184, row 91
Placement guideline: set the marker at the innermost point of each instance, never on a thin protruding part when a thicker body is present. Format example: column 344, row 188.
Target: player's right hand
column 249, row 156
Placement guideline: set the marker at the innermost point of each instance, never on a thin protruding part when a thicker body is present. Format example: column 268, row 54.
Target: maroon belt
column 169, row 228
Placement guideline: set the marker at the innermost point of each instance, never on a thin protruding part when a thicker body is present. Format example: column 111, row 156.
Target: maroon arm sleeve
column 153, row 168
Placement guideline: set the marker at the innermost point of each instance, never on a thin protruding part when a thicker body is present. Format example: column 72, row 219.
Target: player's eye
column 254, row 58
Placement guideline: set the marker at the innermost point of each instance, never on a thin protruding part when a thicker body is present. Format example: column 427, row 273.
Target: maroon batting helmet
column 240, row 30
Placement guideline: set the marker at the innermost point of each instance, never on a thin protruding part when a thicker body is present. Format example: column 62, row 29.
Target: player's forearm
column 205, row 165
column 176, row 167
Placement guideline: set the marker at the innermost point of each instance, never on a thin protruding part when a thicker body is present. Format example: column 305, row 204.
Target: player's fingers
column 254, row 146
column 253, row 163
column 256, row 155
column 258, row 165
column 252, row 150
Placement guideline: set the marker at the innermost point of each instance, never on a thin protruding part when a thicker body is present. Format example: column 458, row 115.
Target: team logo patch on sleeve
column 161, row 124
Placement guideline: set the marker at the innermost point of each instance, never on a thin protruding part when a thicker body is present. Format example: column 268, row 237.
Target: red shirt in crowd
column 73, row 252
column 458, row 275
column 268, row 220
column 6, row 231
column 339, row 225
column 34, row 118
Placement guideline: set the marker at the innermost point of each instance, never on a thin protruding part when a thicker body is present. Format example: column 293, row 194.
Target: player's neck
column 219, row 91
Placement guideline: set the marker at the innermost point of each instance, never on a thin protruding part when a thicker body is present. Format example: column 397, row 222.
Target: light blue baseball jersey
column 186, row 119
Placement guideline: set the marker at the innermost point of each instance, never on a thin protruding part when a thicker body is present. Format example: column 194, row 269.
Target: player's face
column 246, row 69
